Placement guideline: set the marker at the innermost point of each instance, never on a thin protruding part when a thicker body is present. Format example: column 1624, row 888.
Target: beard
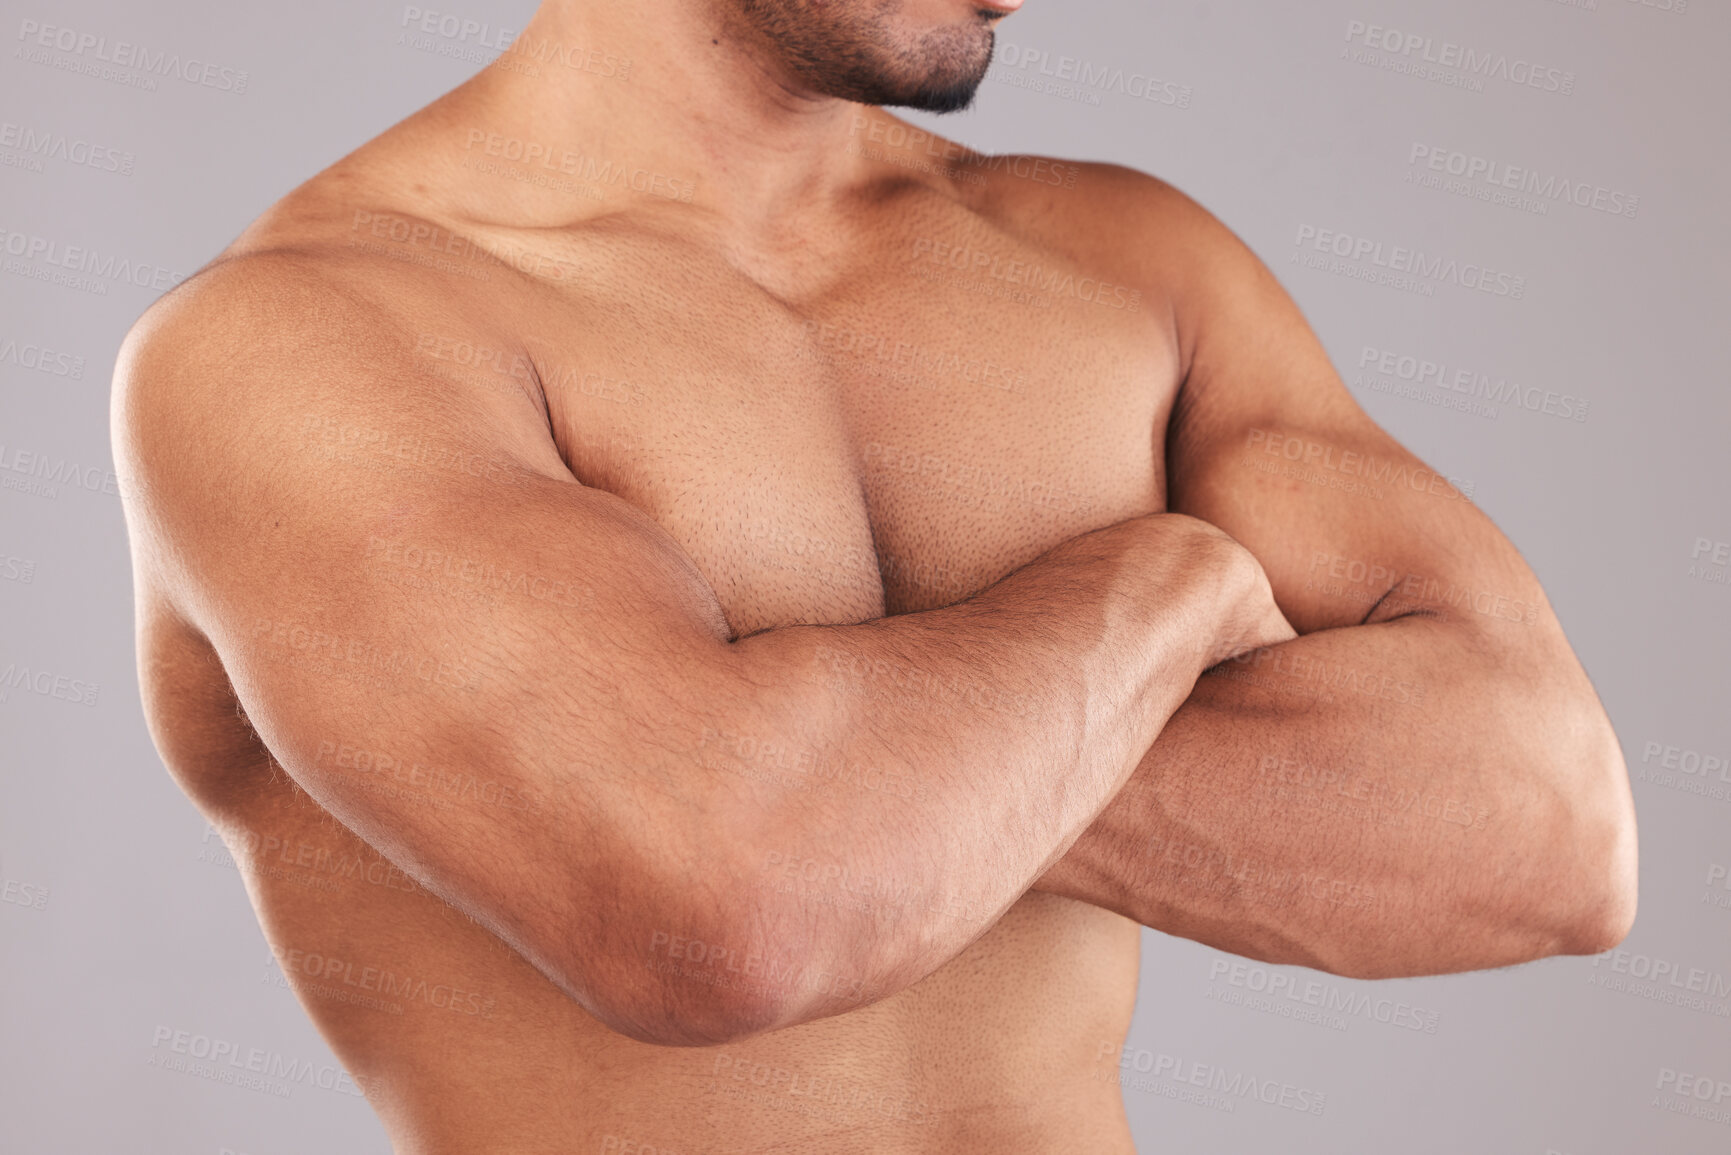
column 857, row 50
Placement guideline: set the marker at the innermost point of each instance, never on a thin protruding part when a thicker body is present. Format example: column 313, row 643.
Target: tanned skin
column 724, row 658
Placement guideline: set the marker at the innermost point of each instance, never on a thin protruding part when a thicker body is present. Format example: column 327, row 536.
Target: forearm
column 907, row 779
column 1401, row 798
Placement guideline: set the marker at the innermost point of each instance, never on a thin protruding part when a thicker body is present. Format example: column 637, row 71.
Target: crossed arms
column 1424, row 781
column 1482, row 820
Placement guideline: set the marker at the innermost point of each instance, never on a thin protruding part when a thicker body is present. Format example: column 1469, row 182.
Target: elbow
column 696, row 965
column 1597, row 884
column 668, row 1013
column 1569, row 872
column 1602, row 910
column 1564, row 882
column 1603, row 928
column 686, row 983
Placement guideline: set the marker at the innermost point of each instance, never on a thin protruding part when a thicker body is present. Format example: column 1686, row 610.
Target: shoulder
column 200, row 355
column 276, row 379
column 324, row 292
column 1143, row 226
column 1104, row 215
column 1131, row 228
column 295, row 274
column 202, row 380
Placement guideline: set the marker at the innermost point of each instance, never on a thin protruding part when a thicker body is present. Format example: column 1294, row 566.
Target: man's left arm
column 1424, row 780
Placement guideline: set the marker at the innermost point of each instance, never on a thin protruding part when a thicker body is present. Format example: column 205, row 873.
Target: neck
column 675, row 87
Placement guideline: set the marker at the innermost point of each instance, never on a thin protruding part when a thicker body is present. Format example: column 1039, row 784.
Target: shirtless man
column 688, row 600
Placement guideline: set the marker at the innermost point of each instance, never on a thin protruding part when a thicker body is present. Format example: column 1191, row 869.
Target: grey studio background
column 1322, row 135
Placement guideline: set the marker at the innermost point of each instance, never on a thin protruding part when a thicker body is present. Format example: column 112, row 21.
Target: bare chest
column 898, row 445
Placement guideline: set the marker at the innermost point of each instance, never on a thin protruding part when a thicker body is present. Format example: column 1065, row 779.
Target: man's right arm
column 644, row 781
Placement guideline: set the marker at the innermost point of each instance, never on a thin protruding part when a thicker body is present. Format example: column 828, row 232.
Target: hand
column 1258, row 622
column 1246, row 616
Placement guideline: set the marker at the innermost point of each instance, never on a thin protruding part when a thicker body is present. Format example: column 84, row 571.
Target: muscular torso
column 848, row 428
